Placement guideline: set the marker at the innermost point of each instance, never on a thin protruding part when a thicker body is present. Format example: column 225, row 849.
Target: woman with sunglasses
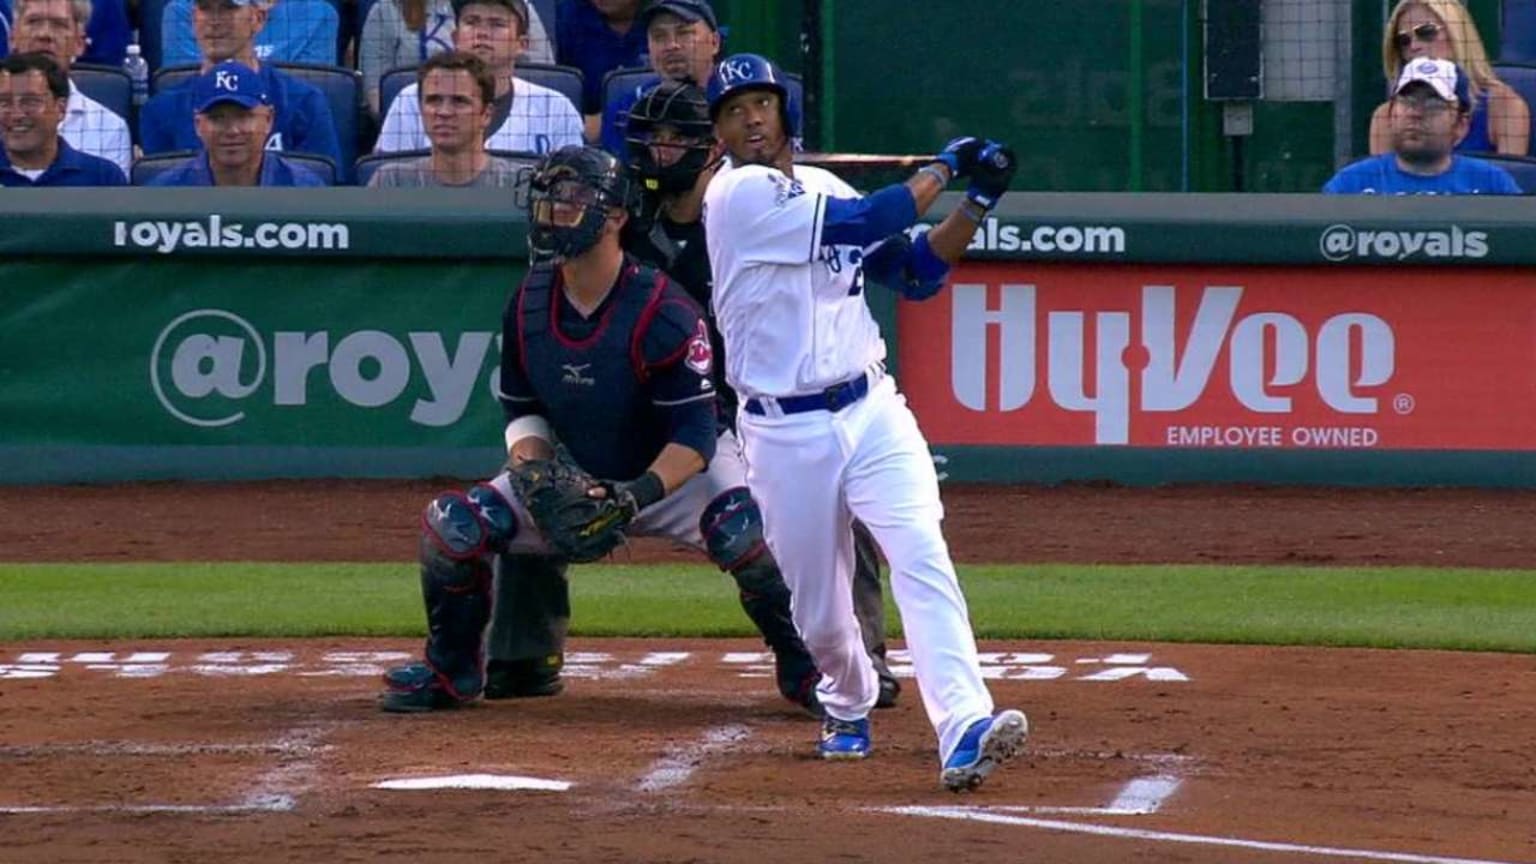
column 1443, row 30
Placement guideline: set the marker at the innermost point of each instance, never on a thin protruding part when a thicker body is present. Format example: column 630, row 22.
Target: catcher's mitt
column 577, row 526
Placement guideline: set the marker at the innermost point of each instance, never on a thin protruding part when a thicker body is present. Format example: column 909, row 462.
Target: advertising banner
column 283, row 354
column 1201, row 356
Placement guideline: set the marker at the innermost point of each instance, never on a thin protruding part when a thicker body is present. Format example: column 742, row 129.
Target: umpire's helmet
column 588, row 182
column 748, row 72
column 681, row 107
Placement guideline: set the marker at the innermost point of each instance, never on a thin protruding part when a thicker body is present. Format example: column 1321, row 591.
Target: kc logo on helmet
column 732, row 71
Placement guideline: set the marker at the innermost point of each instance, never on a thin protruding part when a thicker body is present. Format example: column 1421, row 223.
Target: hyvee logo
column 1266, row 350
column 207, row 363
column 1342, row 242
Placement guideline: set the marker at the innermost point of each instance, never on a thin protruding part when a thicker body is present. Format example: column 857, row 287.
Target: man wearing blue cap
column 1430, row 112
column 683, row 38
column 226, row 31
column 234, row 117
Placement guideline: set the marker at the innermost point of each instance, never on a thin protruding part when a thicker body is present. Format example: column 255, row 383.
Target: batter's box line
column 976, row 814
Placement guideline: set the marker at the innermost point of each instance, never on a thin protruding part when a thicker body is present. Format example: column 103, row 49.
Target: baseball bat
column 893, row 160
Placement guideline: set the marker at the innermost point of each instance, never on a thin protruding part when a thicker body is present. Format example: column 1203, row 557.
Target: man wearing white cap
column 1430, row 111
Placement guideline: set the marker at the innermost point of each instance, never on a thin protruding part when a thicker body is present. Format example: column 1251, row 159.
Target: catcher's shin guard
column 458, row 531
column 733, row 535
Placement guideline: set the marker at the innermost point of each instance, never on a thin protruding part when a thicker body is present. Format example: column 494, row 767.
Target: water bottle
column 138, row 73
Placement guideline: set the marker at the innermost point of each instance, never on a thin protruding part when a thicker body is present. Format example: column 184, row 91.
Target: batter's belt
column 834, row 398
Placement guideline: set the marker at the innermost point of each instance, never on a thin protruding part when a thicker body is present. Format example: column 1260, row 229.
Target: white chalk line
column 985, row 815
column 135, row 748
column 276, row 790
column 678, row 765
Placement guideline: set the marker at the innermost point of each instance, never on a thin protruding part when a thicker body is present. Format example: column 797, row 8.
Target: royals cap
column 229, row 82
column 688, row 10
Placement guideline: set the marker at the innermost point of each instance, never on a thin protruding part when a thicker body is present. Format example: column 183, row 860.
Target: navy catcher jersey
column 618, row 385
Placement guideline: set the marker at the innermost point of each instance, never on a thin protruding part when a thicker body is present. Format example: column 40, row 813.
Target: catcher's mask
column 669, row 137
column 570, row 195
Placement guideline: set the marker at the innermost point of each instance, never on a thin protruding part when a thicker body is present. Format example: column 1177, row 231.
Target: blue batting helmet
column 740, row 72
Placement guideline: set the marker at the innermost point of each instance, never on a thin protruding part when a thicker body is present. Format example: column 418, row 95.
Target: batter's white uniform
column 795, row 322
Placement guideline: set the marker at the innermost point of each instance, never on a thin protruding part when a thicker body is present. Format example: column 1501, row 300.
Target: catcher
column 612, row 361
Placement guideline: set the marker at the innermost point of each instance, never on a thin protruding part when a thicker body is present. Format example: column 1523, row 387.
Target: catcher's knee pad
column 732, row 528
column 495, row 513
column 456, row 587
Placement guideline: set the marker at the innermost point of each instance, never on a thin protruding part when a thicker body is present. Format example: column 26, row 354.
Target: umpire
column 670, row 141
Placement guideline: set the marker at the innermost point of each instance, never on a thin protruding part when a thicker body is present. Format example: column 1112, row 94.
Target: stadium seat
column 343, row 90
column 623, row 80
column 1523, row 79
column 368, row 165
column 562, row 79
column 390, row 85
column 1517, row 32
column 1522, row 168
column 170, row 78
column 146, row 167
column 106, row 84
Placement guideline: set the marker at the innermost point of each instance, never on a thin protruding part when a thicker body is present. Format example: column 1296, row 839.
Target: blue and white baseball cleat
column 843, row 739
column 989, row 742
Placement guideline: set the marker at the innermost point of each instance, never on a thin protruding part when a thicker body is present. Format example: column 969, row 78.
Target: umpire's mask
column 669, row 135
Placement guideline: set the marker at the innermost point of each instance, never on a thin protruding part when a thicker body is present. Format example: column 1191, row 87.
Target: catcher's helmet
column 740, row 72
column 680, row 106
column 587, row 181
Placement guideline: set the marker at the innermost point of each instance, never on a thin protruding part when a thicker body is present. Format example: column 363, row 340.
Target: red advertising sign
column 1201, row 356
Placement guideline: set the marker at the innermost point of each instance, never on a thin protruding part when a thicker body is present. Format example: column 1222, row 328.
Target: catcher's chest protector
column 593, row 388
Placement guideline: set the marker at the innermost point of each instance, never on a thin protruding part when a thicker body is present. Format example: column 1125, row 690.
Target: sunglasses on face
column 1425, row 33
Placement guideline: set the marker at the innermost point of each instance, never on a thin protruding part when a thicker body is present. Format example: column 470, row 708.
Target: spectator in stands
column 1443, row 29
column 296, row 31
column 1429, row 112
column 234, row 118
column 57, row 28
column 683, row 37
column 34, row 96
column 226, row 30
column 401, row 33
column 598, row 36
column 525, row 117
column 457, row 90
column 107, row 35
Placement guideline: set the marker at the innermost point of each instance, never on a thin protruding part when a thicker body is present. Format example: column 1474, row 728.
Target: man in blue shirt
column 34, row 94
column 1430, row 111
column 597, row 36
column 226, row 30
column 682, row 39
column 234, row 116
column 297, row 31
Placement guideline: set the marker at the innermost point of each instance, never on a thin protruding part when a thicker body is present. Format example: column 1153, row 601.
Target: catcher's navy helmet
column 740, row 72
column 681, row 106
column 588, row 181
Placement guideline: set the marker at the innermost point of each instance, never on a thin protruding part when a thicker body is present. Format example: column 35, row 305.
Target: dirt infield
column 676, row 750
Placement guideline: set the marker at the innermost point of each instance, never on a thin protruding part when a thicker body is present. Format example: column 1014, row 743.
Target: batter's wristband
column 943, row 175
column 647, row 489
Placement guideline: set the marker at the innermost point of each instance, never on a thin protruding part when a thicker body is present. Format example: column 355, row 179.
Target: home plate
column 476, row 781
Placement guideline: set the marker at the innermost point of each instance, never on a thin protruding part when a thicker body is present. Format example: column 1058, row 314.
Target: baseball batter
column 669, row 138
column 826, row 434
column 610, row 361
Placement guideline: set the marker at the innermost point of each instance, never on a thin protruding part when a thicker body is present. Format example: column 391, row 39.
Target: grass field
column 1376, row 607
